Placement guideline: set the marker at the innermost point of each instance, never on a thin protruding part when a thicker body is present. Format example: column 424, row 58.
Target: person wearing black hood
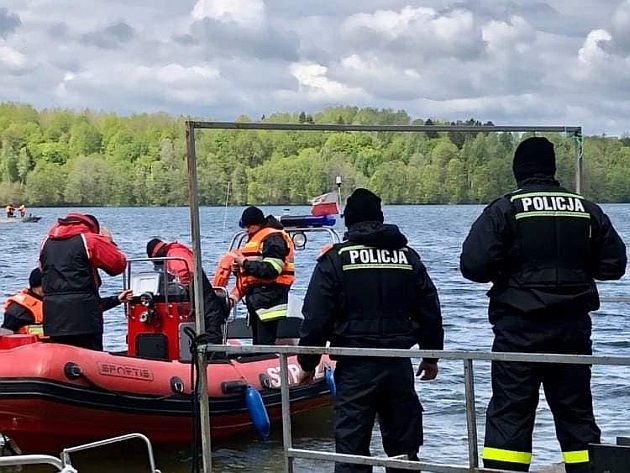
column 265, row 273
column 372, row 291
column 542, row 247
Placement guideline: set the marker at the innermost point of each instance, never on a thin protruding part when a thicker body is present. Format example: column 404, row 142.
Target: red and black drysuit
column 372, row 291
column 70, row 258
column 541, row 247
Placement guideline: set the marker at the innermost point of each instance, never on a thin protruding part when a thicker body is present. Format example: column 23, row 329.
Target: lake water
column 437, row 232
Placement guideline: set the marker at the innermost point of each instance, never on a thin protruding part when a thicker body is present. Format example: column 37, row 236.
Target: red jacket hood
column 71, row 225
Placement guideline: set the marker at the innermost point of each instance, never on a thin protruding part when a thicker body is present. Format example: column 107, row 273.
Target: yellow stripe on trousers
column 578, row 456
column 509, row 456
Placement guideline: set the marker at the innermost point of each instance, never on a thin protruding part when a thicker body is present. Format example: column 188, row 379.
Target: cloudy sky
column 556, row 62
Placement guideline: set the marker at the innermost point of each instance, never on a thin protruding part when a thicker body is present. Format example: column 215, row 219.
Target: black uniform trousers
column 515, row 389
column 367, row 387
column 263, row 333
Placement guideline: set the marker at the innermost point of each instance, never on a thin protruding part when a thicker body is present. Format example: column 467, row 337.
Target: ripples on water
column 437, row 232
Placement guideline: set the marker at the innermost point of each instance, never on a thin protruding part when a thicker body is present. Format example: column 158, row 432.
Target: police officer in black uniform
column 541, row 246
column 372, row 291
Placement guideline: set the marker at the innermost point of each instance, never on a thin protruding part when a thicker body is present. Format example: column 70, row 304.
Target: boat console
column 157, row 315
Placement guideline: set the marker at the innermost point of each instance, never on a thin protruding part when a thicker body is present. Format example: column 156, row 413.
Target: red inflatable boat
column 53, row 396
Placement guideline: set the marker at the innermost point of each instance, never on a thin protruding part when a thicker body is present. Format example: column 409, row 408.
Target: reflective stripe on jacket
column 253, row 250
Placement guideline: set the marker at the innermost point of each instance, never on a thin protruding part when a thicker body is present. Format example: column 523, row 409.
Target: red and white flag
column 325, row 204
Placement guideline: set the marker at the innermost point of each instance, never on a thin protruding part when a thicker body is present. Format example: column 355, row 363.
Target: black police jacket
column 371, row 291
column 542, row 246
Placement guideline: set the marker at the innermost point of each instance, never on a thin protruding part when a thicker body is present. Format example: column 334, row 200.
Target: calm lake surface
column 437, row 232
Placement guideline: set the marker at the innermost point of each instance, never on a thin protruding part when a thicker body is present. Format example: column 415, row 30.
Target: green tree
column 89, row 180
column 456, row 182
column 24, row 165
column 46, row 184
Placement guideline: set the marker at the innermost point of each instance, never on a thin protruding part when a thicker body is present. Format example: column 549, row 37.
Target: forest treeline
column 61, row 157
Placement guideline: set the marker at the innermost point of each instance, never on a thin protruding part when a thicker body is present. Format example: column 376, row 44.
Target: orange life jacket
column 223, row 271
column 253, row 250
column 33, row 305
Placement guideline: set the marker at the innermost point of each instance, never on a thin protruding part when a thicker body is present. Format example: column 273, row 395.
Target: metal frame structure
column 192, row 125
column 64, row 464
column 467, row 357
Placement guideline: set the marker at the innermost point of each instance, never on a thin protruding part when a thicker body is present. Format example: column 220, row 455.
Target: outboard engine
column 157, row 316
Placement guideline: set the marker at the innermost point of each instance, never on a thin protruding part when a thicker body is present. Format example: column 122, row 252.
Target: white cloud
column 247, row 13
column 620, row 27
column 313, row 82
column 507, row 61
column 420, row 31
column 509, row 37
column 11, row 58
column 591, row 52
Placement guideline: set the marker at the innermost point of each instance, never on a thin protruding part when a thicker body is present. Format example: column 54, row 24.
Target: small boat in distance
column 30, row 218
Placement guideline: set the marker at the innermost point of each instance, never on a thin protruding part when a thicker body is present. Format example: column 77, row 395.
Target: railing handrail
column 466, row 356
column 65, row 454
column 413, row 353
column 22, row 460
column 64, row 464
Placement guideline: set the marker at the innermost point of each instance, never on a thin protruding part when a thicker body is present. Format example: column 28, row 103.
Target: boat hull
column 44, row 409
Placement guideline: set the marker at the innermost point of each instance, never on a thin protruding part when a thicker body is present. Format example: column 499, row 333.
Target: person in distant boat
column 10, row 210
column 215, row 309
column 23, row 312
column 265, row 273
column 372, row 291
column 22, row 210
column 542, row 247
column 73, row 252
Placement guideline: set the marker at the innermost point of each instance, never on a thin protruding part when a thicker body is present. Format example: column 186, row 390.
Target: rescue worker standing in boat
column 372, row 291
column 265, row 274
column 23, row 312
column 74, row 250
column 541, row 246
column 216, row 311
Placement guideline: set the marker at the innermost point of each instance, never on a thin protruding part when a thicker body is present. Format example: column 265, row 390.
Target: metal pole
column 204, row 407
column 471, row 417
column 19, row 460
column 377, row 128
column 579, row 156
column 287, row 442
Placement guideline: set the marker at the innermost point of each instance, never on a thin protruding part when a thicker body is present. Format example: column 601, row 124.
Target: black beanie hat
column 534, row 156
column 252, row 216
column 151, row 246
column 35, row 279
column 362, row 206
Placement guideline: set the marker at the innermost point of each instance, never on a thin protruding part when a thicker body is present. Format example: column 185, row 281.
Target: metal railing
column 64, row 464
column 290, row 453
column 195, row 226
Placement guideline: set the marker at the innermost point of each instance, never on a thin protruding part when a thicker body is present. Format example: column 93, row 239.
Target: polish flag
column 325, row 204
